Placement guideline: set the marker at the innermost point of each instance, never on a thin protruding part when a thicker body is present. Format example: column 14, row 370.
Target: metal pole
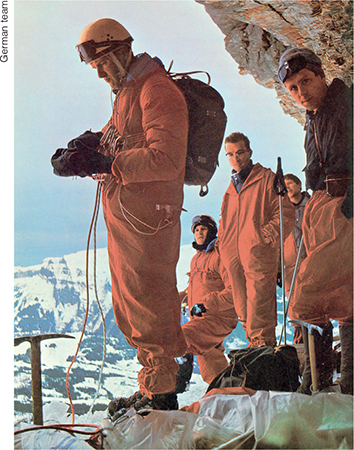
column 292, row 285
column 282, row 263
column 280, row 189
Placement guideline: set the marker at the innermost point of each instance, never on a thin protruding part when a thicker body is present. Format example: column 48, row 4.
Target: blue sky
column 58, row 98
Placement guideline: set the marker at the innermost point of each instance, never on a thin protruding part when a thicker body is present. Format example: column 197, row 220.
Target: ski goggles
column 295, row 64
column 291, row 67
column 90, row 50
column 203, row 219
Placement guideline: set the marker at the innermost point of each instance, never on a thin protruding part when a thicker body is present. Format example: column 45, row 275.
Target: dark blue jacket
column 333, row 122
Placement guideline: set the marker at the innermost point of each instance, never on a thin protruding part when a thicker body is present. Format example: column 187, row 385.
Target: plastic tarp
column 262, row 420
column 54, row 413
column 235, row 418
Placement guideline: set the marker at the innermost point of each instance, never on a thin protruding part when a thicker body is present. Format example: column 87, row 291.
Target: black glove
column 347, row 205
column 198, row 309
column 68, row 162
column 88, row 140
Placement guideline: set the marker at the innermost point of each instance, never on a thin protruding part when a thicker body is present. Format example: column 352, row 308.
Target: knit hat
column 296, row 59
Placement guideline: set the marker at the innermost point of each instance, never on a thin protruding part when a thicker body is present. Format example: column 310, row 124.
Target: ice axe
column 36, row 373
column 312, row 351
column 280, row 189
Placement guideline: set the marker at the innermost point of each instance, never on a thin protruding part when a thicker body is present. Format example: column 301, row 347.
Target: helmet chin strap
column 122, row 70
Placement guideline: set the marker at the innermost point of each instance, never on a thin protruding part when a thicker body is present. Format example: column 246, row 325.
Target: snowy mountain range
column 51, row 298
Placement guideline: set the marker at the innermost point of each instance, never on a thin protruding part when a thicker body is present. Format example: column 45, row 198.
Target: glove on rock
column 198, row 309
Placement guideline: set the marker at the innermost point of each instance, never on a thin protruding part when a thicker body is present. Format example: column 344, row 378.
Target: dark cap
column 296, row 59
column 204, row 219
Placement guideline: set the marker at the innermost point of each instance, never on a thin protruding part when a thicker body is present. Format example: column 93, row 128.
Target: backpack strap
column 186, row 74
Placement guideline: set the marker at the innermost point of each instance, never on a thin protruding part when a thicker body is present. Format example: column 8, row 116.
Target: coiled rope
column 93, row 225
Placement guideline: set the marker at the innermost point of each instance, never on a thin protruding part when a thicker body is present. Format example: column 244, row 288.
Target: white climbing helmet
column 101, row 37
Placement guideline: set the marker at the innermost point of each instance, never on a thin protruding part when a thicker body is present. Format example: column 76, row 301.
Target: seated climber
column 210, row 304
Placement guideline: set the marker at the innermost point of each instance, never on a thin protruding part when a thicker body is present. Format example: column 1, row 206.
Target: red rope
column 63, row 427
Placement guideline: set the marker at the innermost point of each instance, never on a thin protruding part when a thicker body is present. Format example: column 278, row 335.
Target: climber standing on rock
column 324, row 285
column 142, row 155
column 249, row 240
column 293, row 242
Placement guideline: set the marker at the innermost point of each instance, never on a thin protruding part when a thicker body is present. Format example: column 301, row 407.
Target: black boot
column 305, row 386
column 166, row 402
column 324, row 356
column 324, row 361
column 346, row 365
column 120, row 405
column 184, row 374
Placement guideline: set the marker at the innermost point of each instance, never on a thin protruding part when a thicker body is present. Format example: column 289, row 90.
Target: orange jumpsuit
column 292, row 242
column 142, row 202
column 246, row 218
column 209, row 284
column 324, row 284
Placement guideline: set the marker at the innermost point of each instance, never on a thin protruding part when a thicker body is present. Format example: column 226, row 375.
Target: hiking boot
column 346, row 366
column 324, row 361
column 165, row 402
column 184, row 373
column 119, row 406
column 306, row 381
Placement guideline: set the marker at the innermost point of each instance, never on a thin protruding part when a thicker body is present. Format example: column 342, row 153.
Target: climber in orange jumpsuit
column 210, row 302
column 324, row 284
column 142, row 155
column 291, row 245
column 249, row 240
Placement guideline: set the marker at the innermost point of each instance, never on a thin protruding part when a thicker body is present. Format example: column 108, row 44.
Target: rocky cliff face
column 257, row 32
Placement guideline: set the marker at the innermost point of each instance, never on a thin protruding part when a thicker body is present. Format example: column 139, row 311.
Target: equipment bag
column 207, row 123
column 261, row 368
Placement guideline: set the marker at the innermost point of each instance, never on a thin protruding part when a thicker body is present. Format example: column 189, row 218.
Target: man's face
column 107, row 70
column 307, row 88
column 293, row 188
column 200, row 234
column 239, row 155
